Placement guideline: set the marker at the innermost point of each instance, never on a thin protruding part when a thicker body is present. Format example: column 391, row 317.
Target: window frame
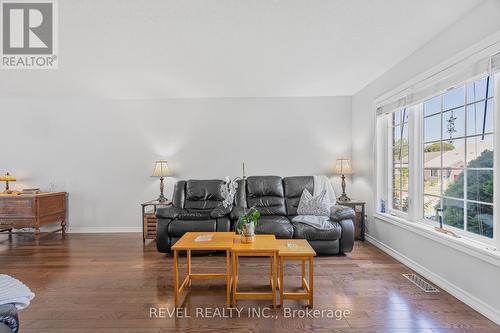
column 390, row 163
column 416, row 165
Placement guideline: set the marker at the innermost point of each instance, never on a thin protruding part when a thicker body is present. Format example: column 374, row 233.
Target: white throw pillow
column 318, row 205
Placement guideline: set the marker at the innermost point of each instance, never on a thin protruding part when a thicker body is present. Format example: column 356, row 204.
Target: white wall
column 102, row 151
column 468, row 275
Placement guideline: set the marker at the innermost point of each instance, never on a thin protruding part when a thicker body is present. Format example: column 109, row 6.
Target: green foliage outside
column 401, row 149
column 436, row 146
column 479, row 188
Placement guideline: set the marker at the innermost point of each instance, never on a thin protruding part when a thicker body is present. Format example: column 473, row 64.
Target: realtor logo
column 29, row 39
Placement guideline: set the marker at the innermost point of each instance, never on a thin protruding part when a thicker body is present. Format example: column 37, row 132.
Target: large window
column 439, row 154
column 458, row 157
column 400, row 155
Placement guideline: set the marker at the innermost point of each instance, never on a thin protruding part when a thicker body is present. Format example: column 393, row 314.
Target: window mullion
column 415, row 186
column 496, row 158
column 465, row 164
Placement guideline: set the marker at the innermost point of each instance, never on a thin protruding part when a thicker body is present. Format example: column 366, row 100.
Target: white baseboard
column 472, row 301
column 93, row 230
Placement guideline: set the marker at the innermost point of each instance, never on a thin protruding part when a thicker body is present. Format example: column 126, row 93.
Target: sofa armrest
column 237, row 212
column 162, row 236
column 8, row 316
column 339, row 213
column 223, row 224
column 347, row 235
column 221, row 211
column 169, row 212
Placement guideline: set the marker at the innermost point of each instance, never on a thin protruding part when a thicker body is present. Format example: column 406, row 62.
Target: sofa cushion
column 204, row 194
column 294, row 186
column 202, row 204
column 169, row 212
column 260, row 186
column 304, row 231
column 177, row 228
column 279, row 226
column 266, row 194
column 195, row 215
column 210, row 189
column 268, row 205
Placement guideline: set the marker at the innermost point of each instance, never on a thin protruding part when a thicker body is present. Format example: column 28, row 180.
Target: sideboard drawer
column 17, row 223
column 17, row 206
column 50, row 204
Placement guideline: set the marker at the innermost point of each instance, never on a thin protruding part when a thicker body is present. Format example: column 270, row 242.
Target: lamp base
column 343, row 198
column 162, row 198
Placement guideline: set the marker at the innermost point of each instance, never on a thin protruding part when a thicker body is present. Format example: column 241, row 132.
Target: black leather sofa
column 9, row 320
column 197, row 206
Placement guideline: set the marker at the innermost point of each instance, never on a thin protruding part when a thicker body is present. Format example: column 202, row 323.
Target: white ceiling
column 230, row 48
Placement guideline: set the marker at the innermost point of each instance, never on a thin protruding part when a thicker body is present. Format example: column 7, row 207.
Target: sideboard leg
column 63, row 227
column 37, row 234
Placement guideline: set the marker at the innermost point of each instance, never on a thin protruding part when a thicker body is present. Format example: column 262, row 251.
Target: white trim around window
column 415, row 214
column 468, row 246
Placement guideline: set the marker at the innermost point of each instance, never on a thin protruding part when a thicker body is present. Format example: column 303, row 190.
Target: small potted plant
column 246, row 225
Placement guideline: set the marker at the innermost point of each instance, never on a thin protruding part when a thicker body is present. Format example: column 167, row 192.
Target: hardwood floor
column 109, row 283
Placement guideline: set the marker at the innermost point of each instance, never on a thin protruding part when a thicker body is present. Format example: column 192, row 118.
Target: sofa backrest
column 198, row 194
column 266, row 193
column 294, row 186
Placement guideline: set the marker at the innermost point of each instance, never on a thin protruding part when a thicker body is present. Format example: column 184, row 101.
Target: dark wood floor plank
column 108, row 283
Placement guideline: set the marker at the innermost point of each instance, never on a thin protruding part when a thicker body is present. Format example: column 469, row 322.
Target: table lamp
column 161, row 170
column 7, row 178
column 343, row 167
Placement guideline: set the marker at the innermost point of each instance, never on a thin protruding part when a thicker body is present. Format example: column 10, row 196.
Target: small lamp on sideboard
column 7, row 178
column 161, row 171
column 343, row 167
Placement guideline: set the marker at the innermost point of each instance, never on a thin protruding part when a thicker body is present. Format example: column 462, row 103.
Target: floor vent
column 421, row 283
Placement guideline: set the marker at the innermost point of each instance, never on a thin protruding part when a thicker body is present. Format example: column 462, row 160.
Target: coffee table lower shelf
column 297, row 249
column 278, row 252
column 220, row 241
column 271, row 295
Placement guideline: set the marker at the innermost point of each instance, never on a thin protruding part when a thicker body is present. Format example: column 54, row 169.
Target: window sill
column 473, row 248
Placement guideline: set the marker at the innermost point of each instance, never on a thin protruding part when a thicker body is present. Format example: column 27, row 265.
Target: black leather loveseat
column 197, row 206
column 9, row 320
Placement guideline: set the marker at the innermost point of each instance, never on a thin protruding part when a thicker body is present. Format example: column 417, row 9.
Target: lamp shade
column 161, row 169
column 7, row 178
column 343, row 166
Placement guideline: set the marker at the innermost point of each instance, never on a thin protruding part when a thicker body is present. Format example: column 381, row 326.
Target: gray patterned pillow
column 318, row 205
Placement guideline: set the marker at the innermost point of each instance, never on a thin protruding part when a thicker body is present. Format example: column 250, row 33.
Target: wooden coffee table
column 296, row 249
column 220, row 241
column 264, row 246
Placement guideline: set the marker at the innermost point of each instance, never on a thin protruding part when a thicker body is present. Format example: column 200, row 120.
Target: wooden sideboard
column 33, row 211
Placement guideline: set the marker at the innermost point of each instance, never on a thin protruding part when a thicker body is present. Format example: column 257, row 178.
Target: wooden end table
column 149, row 218
column 359, row 219
column 264, row 246
column 296, row 249
column 220, row 241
